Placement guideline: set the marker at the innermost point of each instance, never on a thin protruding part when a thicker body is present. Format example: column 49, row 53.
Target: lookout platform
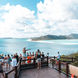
column 45, row 72
column 47, row 69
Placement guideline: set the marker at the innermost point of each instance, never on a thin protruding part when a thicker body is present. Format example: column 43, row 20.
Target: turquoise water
column 11, row 46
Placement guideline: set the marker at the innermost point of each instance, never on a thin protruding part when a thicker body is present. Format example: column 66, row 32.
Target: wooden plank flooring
column 42, row 73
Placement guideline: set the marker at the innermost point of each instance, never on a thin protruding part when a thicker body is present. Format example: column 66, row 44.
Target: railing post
column 34, row 62
column 6, row 75
column 16, row 72
column 67, row 69
column 59, row 66
column 54, row 57
column 47, row 60
column 20, row 63
column 53, row 63
column 72, row 59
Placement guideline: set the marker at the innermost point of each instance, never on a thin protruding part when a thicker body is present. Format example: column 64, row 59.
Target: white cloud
column 61, row 15
column 53, row 17
column 13, row 21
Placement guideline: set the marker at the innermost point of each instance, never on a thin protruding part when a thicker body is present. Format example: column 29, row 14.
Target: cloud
column 61, row 16
column 53, row 17
column 14, row 20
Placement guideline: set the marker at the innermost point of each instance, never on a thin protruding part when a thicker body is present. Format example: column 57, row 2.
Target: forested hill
column 55, row 37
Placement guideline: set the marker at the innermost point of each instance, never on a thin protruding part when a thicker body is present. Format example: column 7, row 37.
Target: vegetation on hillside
column 74, row 55
column 55, row 37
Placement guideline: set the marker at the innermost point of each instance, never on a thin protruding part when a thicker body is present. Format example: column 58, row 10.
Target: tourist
column 29, row 59
column 27, row 54
column 38, row 56
column 33, row 54
column 20, row 56
column 6, row 61
column 24, row 52
column 58, row 58
column 14, row 61
column 17, row 57
column 9, row 60
column 1, row 59
column 30, row 53
column 42, row 58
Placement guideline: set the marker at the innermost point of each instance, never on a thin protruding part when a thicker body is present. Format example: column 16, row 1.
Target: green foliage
column 75, row 63
column 74, row 55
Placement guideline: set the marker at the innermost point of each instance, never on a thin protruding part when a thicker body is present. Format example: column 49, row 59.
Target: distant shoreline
column 53, row 39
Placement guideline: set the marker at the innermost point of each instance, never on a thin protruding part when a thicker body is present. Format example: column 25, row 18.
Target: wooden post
column 34, row 62
column 72, row 59
column 6, row 75
column 54, row 57
column 67, row 69
column 16, row 72
column 53, row 63
column 47, row 60
column 20, row 63
column 59, row 66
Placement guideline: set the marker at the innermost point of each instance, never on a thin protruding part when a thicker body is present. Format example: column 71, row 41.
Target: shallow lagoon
column 65, row 47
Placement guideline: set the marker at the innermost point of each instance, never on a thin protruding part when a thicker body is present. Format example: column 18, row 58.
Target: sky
column 33, row 18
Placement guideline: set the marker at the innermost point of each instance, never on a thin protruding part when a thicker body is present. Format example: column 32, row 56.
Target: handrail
column 30, row 59
column 18, row 67
column 64, row 59
column 60, row 63
column 14, row 69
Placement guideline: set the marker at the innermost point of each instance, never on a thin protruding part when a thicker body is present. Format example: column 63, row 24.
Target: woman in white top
column 14, row 62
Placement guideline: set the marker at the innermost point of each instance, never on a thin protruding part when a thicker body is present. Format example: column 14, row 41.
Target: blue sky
column 32, row 18
column 30, row 4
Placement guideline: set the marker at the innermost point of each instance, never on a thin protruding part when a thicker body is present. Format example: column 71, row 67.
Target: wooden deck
column 42, row 73
column 6, row 70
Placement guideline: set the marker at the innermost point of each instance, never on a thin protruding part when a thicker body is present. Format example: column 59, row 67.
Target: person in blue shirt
column 58, row 57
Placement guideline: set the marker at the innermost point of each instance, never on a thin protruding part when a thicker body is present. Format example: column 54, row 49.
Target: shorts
column 38, row 60
column 6, row 61
column 1, row 60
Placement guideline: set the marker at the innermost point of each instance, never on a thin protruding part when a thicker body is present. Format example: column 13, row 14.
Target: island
column 55, row 37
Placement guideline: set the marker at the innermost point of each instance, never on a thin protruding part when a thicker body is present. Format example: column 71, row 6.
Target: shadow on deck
column 42, row 73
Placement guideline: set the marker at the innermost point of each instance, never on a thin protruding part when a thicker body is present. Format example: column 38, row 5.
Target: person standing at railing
column 2, row 59
column 24, row 54
column 17, row 57
column 20, row 56
column 29, row 59
column 42, row 56
column 14, row 61
column 38, row 56
column 6, row 61
column 58, row 57
column 9, row 60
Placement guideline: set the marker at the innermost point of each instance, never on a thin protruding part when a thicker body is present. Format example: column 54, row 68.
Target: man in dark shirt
column 42, row 56
column 17, row 57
